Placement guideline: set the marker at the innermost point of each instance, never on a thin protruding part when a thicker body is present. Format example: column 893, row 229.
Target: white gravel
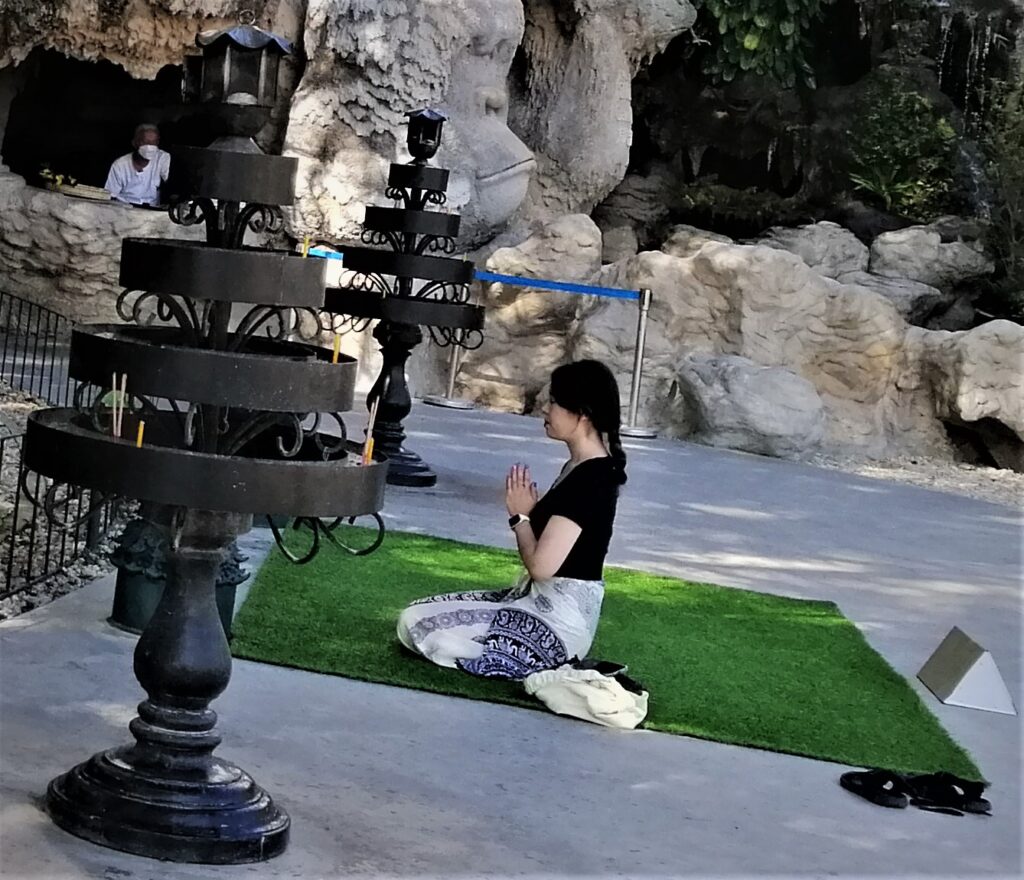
column 995, row 485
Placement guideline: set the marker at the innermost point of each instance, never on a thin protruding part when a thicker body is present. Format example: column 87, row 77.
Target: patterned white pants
column 535, row 625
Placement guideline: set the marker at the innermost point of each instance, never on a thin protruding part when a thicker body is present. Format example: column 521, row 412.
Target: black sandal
column 944, row 792
column 881, row 787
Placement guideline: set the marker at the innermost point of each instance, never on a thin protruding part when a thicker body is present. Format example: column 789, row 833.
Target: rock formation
column 369, row 64
column 749, row 347
column 573, row 105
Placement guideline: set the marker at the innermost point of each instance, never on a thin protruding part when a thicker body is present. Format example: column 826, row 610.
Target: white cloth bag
column 589, row 695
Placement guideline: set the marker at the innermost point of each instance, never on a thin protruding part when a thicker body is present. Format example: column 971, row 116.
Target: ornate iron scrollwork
column 318, row 528
column 192, row 212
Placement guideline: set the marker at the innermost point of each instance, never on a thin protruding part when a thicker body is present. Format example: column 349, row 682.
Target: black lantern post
column 429, row 288
column 234, row 82
column 424, row 134
column 221, row 421
column 235, row 78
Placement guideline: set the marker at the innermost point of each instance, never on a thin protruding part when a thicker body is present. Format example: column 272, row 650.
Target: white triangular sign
column 962, row 673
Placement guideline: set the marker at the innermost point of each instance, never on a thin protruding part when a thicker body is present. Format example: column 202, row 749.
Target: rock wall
column 64, row 253
column 749, row 347
column 529, row 330
column 140, row 35
column 143, row 36
column 573, row 101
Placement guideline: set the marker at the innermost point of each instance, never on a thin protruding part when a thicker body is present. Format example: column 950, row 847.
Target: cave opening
column 76, row 116
column 986, row 442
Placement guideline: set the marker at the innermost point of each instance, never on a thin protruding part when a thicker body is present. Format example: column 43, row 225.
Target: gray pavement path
column 388, row 782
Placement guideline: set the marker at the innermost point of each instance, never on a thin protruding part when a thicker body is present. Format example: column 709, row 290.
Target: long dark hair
column 589, row 389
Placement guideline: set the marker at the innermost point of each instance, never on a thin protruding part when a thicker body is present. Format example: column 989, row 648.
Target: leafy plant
column 766, row 37
column 901, row 149
column 1004, row 144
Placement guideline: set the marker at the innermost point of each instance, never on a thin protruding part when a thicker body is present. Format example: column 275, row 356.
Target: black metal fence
column 34, row 546
column 34, row 352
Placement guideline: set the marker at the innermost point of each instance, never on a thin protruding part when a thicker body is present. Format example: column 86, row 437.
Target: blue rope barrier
column 542, row 283
column 326, row 254
column 568, row 286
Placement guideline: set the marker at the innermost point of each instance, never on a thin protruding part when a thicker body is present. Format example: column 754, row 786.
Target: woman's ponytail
column 617, row 453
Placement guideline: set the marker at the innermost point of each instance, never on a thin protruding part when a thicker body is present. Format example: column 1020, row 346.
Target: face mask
column 149, row 151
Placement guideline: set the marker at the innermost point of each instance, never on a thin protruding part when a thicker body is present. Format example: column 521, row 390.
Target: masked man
column 136, row 177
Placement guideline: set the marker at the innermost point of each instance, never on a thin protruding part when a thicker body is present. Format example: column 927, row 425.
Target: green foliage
column 720, row 205
column 766, row 37
column 1004, row 145
column 901, row 149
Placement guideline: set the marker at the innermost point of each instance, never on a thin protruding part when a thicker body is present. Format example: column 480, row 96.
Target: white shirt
column 126, row 184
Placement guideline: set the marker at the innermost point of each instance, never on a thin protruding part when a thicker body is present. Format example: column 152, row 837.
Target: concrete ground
column 390, row 782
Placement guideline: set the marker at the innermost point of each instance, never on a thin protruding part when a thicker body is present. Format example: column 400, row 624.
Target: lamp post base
column 406, row 468
column 167, row 796
column 218, row 817
column 449, row 402
column 638, row 433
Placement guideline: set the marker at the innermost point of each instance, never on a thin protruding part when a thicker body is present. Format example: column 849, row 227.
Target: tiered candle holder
column 221, row 420
column 414, row 284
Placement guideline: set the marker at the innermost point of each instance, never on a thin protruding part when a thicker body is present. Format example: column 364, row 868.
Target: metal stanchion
column 631, row 429
column 450, row 400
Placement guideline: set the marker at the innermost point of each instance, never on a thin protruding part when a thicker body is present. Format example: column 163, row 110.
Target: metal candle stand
column 232, row 429
column 419, row 241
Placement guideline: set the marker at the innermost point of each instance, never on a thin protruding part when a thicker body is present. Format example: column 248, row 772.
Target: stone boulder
column 915, row 301
column 685, row 241
column 826, row 247
column 733, row 402
column 749, row 347
column 618, row 244
column 638, row 201
column 765, row 305
column 529, row 331
column 978, row 374
column 970, row 381
column 920, row 254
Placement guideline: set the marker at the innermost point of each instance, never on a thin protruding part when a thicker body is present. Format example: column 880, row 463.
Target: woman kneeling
column 551, row 615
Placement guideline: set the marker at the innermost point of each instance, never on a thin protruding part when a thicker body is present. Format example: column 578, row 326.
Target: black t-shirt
column 587, row 495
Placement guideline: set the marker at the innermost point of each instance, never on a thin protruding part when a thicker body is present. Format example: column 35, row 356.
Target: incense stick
column 124, row 394
column 368, row 443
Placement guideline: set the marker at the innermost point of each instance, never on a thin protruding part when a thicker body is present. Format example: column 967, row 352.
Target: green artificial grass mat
column 723, row 664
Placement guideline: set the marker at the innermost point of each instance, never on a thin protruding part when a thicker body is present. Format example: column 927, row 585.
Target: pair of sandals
column 940, row 792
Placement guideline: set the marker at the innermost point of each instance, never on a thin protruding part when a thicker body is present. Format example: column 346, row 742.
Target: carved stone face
column 490, row 166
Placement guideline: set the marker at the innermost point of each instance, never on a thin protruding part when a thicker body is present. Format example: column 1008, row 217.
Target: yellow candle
column 305, row 246
column 337, row 348
column 138, row 437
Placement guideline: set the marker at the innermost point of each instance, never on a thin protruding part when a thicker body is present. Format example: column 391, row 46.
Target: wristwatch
column 513, row 521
